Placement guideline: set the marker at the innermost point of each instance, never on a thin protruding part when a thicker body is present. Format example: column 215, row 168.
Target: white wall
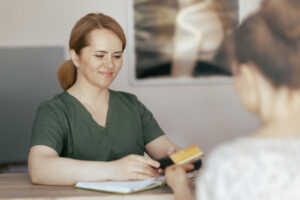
column 247, row 7
column 201, row 114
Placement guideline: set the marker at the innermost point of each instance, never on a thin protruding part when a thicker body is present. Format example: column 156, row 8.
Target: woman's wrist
column 106, row 170
column 111, row 170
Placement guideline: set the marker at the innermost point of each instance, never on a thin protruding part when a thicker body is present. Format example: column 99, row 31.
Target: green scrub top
column 65, row 125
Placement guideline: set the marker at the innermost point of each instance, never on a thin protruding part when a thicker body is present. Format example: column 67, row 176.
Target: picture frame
column 166, row 50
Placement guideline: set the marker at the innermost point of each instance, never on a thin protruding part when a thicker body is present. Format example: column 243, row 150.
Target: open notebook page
column 123, row 187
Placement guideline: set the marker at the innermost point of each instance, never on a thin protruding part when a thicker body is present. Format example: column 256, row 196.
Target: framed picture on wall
column 180, row 41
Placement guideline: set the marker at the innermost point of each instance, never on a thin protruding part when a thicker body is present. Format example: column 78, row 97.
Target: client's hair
column 270, row 39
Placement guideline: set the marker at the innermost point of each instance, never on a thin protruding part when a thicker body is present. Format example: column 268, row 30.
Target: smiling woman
column 100, row 62
column 89, row 132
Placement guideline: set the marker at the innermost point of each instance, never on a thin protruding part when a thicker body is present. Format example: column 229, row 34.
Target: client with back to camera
column 266, row 164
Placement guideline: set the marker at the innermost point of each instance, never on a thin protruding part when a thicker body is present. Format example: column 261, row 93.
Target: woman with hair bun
column 89, row 132
column 266, row 164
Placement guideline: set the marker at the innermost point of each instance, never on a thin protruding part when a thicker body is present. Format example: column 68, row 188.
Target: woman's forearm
column 66, row 171
column 161, row 147
column 46, row 167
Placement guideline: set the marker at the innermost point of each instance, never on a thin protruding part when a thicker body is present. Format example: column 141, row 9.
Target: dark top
column 65, row 125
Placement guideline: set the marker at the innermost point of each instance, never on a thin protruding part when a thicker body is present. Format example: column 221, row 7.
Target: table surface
column 18, row 186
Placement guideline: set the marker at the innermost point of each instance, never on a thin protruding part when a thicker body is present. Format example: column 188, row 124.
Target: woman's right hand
column 134, row 167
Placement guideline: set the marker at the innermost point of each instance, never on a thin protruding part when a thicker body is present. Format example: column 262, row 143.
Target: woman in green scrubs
column 89, row 132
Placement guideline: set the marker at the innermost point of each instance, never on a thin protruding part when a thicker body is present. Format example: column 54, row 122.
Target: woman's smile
column 109, row 74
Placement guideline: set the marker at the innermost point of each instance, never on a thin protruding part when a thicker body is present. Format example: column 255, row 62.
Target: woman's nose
column 110, row 62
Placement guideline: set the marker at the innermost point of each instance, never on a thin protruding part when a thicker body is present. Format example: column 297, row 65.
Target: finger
column 146, row 170
column 148, row 161
column 140, row 165
column 187, row 167
column 150, row 171
column 160, row 171
column 138, row 176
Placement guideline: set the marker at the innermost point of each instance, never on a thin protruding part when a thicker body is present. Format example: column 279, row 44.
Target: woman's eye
column 118, row 57
column 99, row 56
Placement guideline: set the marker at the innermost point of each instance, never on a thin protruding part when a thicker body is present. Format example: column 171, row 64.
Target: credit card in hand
column 187, row 155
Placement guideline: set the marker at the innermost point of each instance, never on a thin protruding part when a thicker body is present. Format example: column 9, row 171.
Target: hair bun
column 283, row 17
column 293, row 33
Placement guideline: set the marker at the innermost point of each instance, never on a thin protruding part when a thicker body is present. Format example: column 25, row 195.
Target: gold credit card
column 186, row 155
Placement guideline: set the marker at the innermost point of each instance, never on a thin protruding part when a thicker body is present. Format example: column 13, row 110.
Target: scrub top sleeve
column 48, row 127
column 151, row 129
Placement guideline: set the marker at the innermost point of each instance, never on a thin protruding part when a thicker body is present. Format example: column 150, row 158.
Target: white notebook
column 123, row 187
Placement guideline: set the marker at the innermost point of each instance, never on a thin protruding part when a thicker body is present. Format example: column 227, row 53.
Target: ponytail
column 67, row 74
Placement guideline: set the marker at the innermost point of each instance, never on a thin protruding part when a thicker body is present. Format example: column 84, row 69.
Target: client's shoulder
column 246, row 152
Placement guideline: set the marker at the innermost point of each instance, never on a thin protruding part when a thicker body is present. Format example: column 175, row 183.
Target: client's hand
column 170, row 151
column 176, row 176
column 134, row 167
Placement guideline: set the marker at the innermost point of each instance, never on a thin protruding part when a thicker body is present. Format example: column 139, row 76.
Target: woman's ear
column 246, row 82
column 74, row 57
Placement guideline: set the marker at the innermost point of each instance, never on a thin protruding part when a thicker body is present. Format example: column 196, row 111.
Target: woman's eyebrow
column 102, row 51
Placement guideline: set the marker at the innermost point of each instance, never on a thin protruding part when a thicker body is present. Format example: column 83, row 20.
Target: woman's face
column 100, row 61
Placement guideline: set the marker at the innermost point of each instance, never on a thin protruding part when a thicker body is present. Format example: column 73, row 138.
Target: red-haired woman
column 89, row 132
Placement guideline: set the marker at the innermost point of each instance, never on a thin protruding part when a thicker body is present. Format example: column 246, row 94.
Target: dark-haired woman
column 89, row 132
column 266, row 164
